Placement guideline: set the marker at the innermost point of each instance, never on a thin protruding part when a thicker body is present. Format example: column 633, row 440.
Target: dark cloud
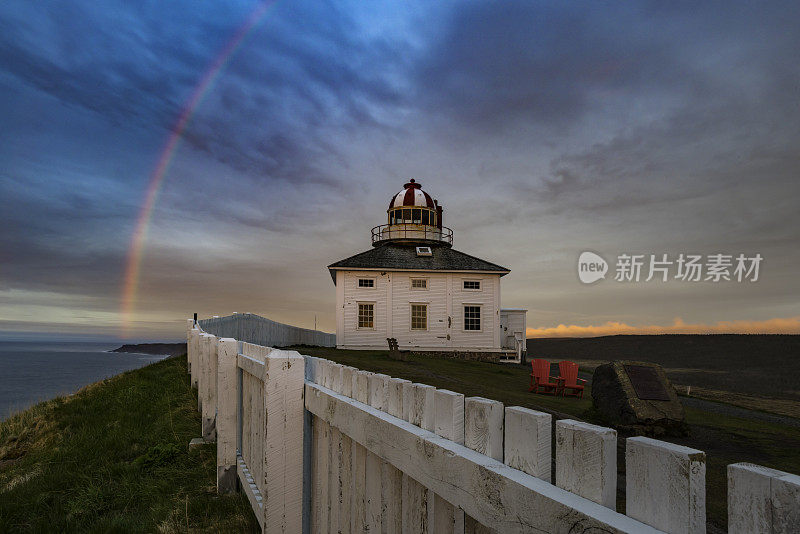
column 606, row 126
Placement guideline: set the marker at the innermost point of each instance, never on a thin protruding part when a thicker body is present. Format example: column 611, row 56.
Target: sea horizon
column 33, row 371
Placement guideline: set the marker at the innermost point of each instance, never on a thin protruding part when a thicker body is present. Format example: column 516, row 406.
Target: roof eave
column 397, row 269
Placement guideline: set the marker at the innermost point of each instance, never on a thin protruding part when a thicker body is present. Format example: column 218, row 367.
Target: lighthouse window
column 416, row 216
column 407, row 216
column 419, row 283
column 472, row 317
column 419, row 317
column 366, row 315
column 425, row 217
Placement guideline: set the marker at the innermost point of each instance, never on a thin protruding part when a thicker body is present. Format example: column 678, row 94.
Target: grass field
column 114, row 458
column 725, row 439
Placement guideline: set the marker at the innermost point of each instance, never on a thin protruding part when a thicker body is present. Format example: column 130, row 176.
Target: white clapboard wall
column 320, row 447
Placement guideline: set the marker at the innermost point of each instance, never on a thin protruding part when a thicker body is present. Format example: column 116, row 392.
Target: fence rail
column 322, row 447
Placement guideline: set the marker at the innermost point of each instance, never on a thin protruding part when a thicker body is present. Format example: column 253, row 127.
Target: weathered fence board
column 586, row 461
column 449, row 424
column 483, row 432
column 527, row 441
column 283, row 445
column 665, row 485
column 226, row 414
column 762, row 500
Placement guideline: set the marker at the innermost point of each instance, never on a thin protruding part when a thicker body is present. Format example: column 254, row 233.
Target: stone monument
column 637, row 398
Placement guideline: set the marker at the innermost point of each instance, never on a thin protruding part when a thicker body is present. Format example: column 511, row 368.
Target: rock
column 199, row 442
column 637, row 398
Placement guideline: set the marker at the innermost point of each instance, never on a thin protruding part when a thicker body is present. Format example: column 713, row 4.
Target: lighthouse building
column 412, row 285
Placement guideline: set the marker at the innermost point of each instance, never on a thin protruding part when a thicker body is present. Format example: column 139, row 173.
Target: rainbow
column 136, row 250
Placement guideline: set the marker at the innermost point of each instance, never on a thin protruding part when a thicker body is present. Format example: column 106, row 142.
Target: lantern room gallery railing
column 384, row 232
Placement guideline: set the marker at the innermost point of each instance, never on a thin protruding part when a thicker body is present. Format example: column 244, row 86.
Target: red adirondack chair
column 540, row 377
column 568, row 379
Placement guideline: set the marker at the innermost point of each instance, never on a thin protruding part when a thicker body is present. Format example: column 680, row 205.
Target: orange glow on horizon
column 778, row 325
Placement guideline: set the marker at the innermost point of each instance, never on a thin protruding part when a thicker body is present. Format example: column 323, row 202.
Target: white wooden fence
column 322, row 447
column 253, row 328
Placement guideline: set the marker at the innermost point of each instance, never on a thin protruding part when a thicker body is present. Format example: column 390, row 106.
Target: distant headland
column 166, row 349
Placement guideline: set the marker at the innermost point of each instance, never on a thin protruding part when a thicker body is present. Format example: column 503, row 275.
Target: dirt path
column 724, row 408
column 735, row 411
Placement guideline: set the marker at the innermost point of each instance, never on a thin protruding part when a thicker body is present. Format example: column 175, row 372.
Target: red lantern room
column 413, row 217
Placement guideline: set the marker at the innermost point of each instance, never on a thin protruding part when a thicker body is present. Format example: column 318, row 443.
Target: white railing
column 322, row 447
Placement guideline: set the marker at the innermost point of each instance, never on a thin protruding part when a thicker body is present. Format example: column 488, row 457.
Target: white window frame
column 411, row 283
column 411, row 316
column 374, row 282
column 465, row 280
column 358, row 315
column 464, row 307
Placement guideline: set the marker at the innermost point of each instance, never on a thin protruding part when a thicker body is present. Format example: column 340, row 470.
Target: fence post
column 527, row 441
column 396, row 389
column 195, row 366
column 284, row 374
column 483, row 426
column 333, row 374
column 483, row 432
column 202, row 368
column 320, row 446
column 785, row 499
column 226, row 414
column 665, row 485
column 586, row 461
column 398, row 480
column 209, row 406
column 189, row 327
column 449, row 424
column 358, row 512
column 344, row 386
column 762, row 500
column 418, row 409
column 308, row 453
column 378, row 391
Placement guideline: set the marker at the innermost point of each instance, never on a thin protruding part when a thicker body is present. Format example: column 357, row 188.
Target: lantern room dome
column 412, row 195
column 413, row 217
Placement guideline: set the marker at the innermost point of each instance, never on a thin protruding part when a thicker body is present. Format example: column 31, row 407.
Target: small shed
column 513, row 324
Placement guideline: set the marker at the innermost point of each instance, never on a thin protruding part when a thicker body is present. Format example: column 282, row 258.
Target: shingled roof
column 396, row 256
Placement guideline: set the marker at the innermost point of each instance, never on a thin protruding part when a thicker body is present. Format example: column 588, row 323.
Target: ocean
column 31, row 372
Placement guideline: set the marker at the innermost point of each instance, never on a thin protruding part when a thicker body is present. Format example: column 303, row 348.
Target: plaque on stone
column 637, row 398
column 646, row 382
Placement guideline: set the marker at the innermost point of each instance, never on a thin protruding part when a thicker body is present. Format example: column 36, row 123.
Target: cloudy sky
column 544, row 128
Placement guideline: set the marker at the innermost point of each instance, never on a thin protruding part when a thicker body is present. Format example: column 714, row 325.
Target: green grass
column 724, row 439
column 114, row 458
column 506, row 383
column 728, row 440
